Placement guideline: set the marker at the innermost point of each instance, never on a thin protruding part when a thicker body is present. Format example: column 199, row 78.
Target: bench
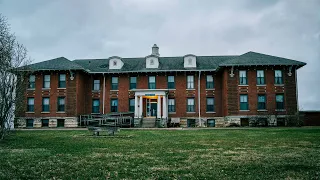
column 110, row 130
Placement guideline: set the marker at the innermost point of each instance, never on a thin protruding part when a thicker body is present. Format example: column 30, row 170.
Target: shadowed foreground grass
column 273, row 153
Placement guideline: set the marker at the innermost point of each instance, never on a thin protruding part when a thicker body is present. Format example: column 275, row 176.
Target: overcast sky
column 128, row 28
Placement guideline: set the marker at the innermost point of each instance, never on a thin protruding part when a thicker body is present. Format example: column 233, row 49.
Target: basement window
column 45, row 123
column 29, row 123
column 60, row 123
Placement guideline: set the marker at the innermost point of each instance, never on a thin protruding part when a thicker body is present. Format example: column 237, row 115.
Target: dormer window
column 190, row 61
column 115, row 62
column 151, row 62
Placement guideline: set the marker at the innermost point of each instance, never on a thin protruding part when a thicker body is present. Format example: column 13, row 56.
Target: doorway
column 151, row 108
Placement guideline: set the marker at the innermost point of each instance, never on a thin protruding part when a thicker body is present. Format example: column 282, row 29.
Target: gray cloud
column 128, row 28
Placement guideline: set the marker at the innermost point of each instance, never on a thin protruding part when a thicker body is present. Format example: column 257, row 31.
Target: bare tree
column 13, row 61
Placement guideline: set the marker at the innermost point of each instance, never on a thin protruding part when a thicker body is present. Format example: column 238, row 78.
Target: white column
column 159, row 107
column 140, row 107
column 164, row 107
column 136, row 110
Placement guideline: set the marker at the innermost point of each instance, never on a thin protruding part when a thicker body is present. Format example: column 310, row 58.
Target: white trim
column 60, row 112
column 243, row 85
column 30, row 112
column 190, row 89
column 244, row 110
column 210, row 112
column 262, row 110
column 45, row 112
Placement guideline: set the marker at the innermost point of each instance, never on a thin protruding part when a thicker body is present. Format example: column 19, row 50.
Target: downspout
column 104, row 93
column 200, row 124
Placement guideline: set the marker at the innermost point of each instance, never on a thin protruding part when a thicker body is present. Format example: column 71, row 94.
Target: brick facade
column 226, row 92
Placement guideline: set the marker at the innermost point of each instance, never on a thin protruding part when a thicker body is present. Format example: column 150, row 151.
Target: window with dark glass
column 279, row 101
column 96, row 84
column 114, row 105
column 243, row 77
column 210, row 104
column 95, row 106
column 133, row 82
column 210, row 82
column 278, row 77
column 190, row 105
column 131, row 105
column 171, row 105
column 114, row 83
column 44, row 122
column 261, row 102
column 244, row 102
column 171, row 84
column 60, row 122
column 260, row 77
column 32, row 82
column 62, row 80
column 30, row 107
column 45, row 104
column 152, row 82
column 46, row 81
column 29, row 123
column 190, row 82
column 61, row 104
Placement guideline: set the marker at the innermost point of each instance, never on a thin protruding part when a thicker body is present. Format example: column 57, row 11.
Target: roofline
column 195, row 70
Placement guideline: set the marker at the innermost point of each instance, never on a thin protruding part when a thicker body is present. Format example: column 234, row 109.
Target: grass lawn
column 261, row 153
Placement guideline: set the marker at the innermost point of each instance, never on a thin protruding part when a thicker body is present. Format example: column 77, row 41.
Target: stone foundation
column 69, row 122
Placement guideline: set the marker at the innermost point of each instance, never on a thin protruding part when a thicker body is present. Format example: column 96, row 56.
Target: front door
column 153, row 109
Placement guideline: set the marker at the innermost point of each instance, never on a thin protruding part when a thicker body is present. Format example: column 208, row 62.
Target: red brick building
column 190, row 90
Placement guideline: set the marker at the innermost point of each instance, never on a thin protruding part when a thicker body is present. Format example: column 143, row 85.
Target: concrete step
column 148, row 122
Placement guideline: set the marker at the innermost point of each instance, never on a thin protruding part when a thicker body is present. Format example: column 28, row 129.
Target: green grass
column 261, row 153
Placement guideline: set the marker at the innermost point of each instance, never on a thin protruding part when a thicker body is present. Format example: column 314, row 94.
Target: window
column 95, row 106
column 279, row 101
column 171, row 105
column 29, row 123
column 278, row 77
column 114, row 83
column 133, row 82
column 62, row 80
column 260, row 77
column 96, row 84
column 261, row 102
column 281, row 121
column 44, row 122
column 152, row 82
column 45, row 104
column 191, row 122
column 32, row 82
column 190, row 82
column 114, row 63
column 243, row 78
column 211, row 122
column 151, row 62
column 131, row 105
column 114, row 105
column 210, row 83
column 190, row 61
column 190, row 105
column 210, row 104
column 46, row 81
column 244, row 102
column 60, row 123
column 171, row 84
column 61, row 103
column 30, row 107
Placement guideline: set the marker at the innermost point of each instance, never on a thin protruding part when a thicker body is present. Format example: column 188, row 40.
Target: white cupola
column 190, row 61
column 115, row 62
column 152, row 61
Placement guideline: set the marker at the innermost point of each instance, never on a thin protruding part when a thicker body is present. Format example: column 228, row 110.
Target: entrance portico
column 152, row 100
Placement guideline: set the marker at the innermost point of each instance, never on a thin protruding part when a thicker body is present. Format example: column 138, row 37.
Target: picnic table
column 110, row 130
